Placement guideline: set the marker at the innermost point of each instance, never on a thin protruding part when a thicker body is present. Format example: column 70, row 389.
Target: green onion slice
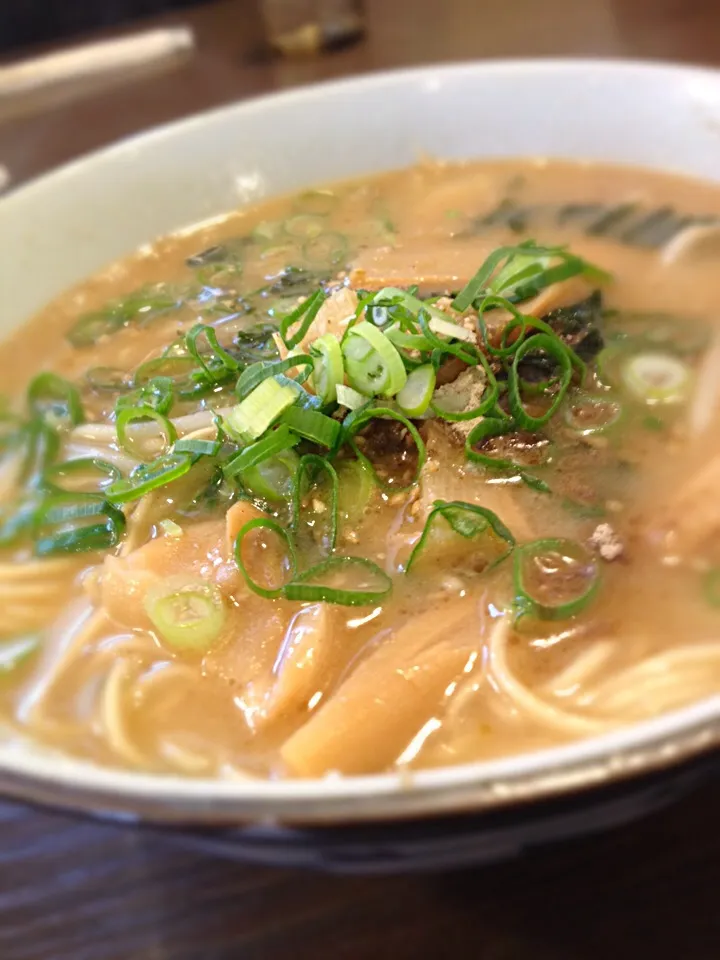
column 188, row 613
column 68, row 523
column 656, row 378
column 522, row 271
column 304, row 226
column 347, row 581
column 554, row 579
column 254, row 375
column 347, row 397
column 273, row 478
column 305, row 315
column 265, row 523
column 488, row 429
column 128, row 415
column 587, row 413
column 198, row 448
column 260, row 409
column 108, row 380
column 188, row 380
column 468, row 352
column 356, row 485
column 42, row 444
column 556, row 349
column 92, row 326
column 328, row 368
column 217, row 362
column 158, row 393
column 150, row 476
column 55, row 400
column 470, row 522
column 414, row 398
column 314, row 426
column 282, row 438
column 360, row 418
column 311, row 462
column 327, row 249
column 318, row 202
column 372, row 363
column 85, row 475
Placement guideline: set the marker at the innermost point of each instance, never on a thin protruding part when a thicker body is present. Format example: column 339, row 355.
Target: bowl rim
column 662, row 741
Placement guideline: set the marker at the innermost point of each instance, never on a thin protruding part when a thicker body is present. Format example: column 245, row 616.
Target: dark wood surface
column 76, row 890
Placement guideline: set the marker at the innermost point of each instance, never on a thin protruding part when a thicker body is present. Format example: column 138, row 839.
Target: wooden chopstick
column 35, row 83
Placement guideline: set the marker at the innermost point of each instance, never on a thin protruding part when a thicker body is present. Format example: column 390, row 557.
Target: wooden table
column 75, row 890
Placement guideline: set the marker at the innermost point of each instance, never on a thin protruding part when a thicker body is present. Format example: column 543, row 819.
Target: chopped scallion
column 188, row 613
column 347, row 581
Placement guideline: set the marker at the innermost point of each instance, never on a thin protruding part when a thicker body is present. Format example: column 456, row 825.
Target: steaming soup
column 408, row 471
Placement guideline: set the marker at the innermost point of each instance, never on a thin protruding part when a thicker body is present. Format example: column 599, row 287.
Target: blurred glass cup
column 305, row 27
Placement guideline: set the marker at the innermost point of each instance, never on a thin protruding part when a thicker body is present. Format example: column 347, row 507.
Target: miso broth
column 408, row 471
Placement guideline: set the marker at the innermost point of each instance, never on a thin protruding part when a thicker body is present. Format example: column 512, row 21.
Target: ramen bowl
column 61, row 228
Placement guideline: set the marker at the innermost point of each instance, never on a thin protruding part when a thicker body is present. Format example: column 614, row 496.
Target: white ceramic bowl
column 64, row 226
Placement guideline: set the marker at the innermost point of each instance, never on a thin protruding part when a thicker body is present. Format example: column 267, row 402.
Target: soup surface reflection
column 408, row 471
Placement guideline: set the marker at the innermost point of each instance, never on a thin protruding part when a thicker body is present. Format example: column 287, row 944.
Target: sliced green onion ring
column 312, row 462
column 469, row 521
column 358, row 419
column 468, row 353
column 556, row 349
column 321, row 203
column 250, row 418
column 587, row 413
column 352, row 399
column 68, row 523
column 487, row 429
column 305, row 315
column 538, row 274
column 129, row 415
column 328, row 367
column 314, row 426
column 554, row 579
column 304, row 226
column 189, row 381
column 414, row 398
column 108, row 380
column 92, row 326
column 656, row 378
column 273, row 478
column 56, row 400
column 265, row 523
column 217, row 363
column 282, row 438
column 188, row 613
column 198, row 448
column 356, row 485
column 254, row 375
column 316, row 584
column 373, row 365
column 42, row 444
column 73, row 476
column 158, row 393
column 150, row 476
column 326, row 249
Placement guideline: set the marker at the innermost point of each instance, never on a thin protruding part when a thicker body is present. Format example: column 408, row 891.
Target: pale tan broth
column 433, row 674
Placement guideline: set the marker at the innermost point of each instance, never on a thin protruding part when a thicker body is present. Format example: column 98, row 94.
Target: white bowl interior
column 61, row 228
